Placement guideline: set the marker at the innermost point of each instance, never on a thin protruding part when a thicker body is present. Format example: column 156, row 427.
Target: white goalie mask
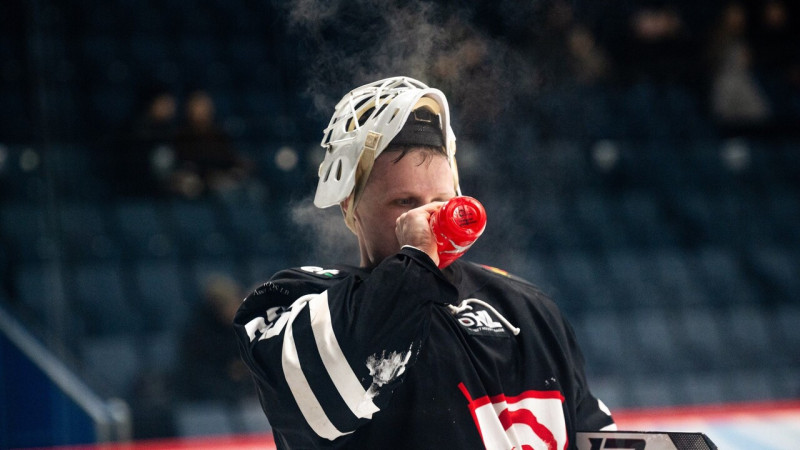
column 364, row 123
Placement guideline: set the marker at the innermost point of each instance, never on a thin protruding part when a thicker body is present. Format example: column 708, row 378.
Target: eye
column 404, row 202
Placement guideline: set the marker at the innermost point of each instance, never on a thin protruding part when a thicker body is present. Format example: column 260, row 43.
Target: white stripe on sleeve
column 336, row 364
column 306, row 400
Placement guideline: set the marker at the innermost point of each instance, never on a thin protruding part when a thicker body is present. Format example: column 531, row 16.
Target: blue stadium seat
column 149, row 19
column 752, row 385
column 701, row 332
column 16, row 118
column 785, row 212
column 34, row 282
column 603, row 336
column 160, row 351
column 21, row 176
column 112, row 105
column 723, row 277
column 160, row 294
column 703, row 387
column 98, row 52
column 110, row 364
column 653, row 333
column 195, row 227
column 100, row 297
column 200, row 271
column 246, row 52
column 599, row 221
column 786, row 381
column 142, row 229
column 644, row 111
column 254, row 231
column 636, row 281
column 202, row 419
column 78, row 172
column 261, row 103
column 552, row 222
column 788, row 163
column 785, row 320
column 677, row 277
column 225, row 100
column 40, row 287
column 655, row 391
column 583, row 281
column 85, row 233
column 697, row 211
column 149, row 51
column 202, row 58
column 645, row 221
column 27, row 230
column 750, row 333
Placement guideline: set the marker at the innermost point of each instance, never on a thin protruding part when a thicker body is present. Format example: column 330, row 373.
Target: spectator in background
column 738, row 103
column 655, row 43
column 775, row 38
column 776, row 60
column 205, row 159
column 210, row 367
column 147, row 152
column 572, row 53
column 589, row 62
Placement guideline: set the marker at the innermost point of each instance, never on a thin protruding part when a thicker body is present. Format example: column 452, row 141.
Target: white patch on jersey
column 531, row 420
column 386, row 368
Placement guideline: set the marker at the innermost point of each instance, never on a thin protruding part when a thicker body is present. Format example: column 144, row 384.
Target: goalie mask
column 397, row 110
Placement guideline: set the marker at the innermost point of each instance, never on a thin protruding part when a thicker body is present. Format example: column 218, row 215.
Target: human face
column 394, row 188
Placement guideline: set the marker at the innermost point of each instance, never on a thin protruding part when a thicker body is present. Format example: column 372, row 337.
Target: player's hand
column 413, row 228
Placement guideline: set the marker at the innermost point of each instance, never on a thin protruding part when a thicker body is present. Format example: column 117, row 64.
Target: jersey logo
column 532, row 420
column 328, row 273
column 480, row 322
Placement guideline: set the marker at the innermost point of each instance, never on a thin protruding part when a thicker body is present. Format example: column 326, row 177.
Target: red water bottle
column 456, row 226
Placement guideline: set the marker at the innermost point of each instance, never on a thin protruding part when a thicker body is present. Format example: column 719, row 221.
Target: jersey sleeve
column 327, row 349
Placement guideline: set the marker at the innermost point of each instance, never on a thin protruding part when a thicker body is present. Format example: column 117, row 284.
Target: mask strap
column 365, row 163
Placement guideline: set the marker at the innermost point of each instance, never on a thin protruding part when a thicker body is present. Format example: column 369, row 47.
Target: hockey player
column 397, row 353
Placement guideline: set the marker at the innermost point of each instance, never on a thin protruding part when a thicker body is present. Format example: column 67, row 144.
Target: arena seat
column 202, row 419
column 142, row 230
column 194, row 225
column 111, row 363
column 655, row 333
column 252, row 227
column 100, row 295
column 703, row 339
column 84, row 232
column 160, row 294
column 28, row 231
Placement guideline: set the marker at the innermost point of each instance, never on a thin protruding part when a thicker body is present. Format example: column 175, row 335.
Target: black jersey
column 408, row 356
